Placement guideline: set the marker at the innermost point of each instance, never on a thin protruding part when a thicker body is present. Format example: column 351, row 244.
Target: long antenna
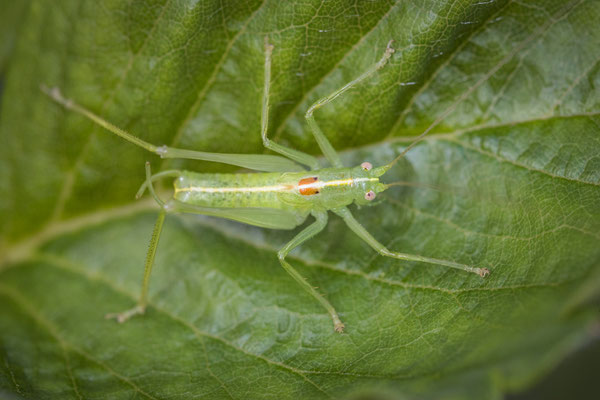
column 415, row 184
column 419, row 138
column 433, row 125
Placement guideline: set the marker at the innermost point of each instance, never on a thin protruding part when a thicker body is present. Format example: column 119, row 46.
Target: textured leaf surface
column 509, row 91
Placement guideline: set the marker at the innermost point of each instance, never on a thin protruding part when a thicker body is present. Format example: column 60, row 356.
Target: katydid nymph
column 280, row 196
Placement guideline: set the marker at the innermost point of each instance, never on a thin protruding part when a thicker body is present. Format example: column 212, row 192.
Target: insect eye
column 366, row 166
column 370, row 195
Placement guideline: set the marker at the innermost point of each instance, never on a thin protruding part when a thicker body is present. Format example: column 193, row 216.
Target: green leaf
column 509, row 94
column 10, row 21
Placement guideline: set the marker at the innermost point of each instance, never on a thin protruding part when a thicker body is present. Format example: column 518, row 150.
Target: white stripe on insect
column 274, row 188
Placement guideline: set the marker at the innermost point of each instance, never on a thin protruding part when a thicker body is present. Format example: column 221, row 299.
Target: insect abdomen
column 230, row 190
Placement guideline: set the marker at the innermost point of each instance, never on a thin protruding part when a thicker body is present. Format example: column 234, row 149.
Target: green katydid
column 281, row 196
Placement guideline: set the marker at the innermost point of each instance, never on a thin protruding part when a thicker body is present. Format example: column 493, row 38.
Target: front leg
column 326, row 147
column 298, row 156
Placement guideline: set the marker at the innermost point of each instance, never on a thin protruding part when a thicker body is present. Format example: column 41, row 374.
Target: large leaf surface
column 509, row 92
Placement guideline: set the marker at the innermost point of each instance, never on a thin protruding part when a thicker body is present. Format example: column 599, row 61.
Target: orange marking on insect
column 309, row 188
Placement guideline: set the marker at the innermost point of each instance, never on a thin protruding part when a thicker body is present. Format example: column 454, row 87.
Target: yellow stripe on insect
column 339, row 182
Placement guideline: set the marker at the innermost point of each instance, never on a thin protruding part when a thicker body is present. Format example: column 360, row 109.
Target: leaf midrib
column 132, row 210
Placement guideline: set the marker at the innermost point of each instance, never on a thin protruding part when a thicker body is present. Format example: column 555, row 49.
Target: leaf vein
column 29, row 309
column 69, row 180
column 327, row 74
column 515, row 163
column 493, row 235
column 562, row 13
column 209, row 82
column 66, row 265
column 573, row 85
column 211, row 373
column 440, row 68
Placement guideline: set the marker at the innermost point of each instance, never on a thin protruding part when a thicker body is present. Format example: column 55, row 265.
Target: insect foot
column 55, row 94
column 339, row 327
column 483, row 272
column 125, row 315
column 162, row 151
column 389, row 50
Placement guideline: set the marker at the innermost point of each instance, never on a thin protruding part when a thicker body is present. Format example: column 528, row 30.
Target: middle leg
column 142, row 303
column 309, row 232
